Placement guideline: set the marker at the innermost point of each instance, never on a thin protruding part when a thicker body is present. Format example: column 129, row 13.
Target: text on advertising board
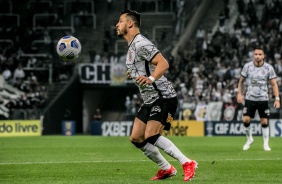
column 20, row 128
column 230, row 128
column 116, row 128
column 275, row 128
column 90, row 73
column 186, row 128
column 123, row 128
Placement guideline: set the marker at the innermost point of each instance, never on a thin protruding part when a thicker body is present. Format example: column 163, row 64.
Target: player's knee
column 264, row 122
column 153, row 139
column 246, row 119
column 136, row 138
column 137, row 141
column 265, row 125
column 246, row 124
column 139, row 144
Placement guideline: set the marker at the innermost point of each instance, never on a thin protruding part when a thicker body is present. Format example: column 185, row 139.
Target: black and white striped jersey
column 140, row 53
column 257, row 80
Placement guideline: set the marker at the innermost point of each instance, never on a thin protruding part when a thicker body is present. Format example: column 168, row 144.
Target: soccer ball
column 68, row 48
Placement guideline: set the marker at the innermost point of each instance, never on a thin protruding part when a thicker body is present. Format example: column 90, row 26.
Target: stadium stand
column 6, row 6
column 212, row 65
column 9, row 20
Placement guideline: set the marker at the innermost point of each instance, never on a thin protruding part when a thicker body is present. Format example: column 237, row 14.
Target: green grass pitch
column 114, row 160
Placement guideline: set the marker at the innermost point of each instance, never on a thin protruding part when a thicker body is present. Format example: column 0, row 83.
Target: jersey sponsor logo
column 169, row 118
column 149, row 98
column 153, row 114
column 244, row 110
column 267, row 111
column 130, row 57
column 155, row 110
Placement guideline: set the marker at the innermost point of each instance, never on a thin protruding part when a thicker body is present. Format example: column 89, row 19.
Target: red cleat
column 163, row 174
column 189, row 169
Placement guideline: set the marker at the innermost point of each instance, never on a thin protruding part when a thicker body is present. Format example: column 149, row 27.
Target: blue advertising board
column 68, row 128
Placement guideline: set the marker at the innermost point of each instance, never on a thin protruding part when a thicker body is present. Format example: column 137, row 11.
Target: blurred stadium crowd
column 206, row 70
column 211, row 69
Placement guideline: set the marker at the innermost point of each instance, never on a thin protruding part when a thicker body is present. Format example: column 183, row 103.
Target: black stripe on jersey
column 147, row 68
column 153, row 57
column 148, row 73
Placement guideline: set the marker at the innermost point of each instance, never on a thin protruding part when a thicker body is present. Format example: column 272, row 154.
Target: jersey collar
column 133, row 39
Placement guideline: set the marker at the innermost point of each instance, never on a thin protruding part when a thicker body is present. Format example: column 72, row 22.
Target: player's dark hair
column 258, row 48
column 136, row 17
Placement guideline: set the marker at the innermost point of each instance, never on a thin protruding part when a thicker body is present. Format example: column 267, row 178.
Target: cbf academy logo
column 209, row 128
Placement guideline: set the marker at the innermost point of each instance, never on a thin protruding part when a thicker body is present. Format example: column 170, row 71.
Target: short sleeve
column 147, row 50
column 272, row 73
column 244, row 72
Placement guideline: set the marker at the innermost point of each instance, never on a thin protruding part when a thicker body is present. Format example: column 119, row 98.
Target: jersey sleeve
column 272, row 73
column 244, row 71
column 147, row 50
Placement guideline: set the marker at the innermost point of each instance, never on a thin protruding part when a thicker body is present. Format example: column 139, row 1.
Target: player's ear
column 130, row 23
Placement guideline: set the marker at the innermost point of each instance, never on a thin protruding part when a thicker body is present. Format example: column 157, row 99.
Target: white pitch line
column 127, row 161
column 72, row 162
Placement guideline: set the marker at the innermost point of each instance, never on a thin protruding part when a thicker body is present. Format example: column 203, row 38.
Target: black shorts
column 162, row 110
column 250, row 108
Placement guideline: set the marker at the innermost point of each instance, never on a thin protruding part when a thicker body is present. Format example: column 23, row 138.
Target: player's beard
column 258, row 61
column 122, row 32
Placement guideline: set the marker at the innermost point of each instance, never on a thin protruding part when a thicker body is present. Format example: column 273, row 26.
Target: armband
column 152, row 78
column 277, row 98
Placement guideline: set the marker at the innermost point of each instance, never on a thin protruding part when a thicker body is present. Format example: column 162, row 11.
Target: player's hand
column 276, row 104
column 143, row 80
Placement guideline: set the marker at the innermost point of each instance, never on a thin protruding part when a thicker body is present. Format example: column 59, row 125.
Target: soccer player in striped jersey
column 258, row 73
column 146, row 67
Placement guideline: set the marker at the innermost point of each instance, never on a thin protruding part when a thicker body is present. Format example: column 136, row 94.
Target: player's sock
column 153, row 153
column 169, row 148
column 248, row 131
column 265, row 133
